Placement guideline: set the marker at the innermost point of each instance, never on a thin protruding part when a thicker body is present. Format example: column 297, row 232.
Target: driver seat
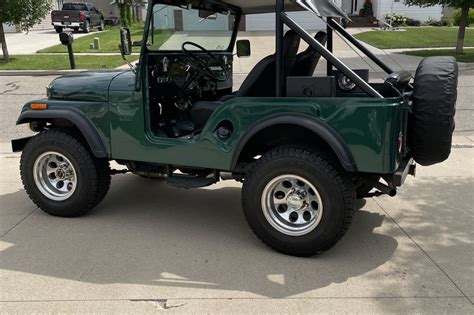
column 260, row 82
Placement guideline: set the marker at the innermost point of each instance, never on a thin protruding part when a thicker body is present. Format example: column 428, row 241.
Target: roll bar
column 283, row 19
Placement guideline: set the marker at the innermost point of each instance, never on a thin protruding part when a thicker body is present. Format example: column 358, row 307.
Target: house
column 262, row 22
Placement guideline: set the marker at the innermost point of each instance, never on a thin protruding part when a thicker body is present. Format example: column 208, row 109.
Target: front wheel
column 297, row 201
column 61, row 176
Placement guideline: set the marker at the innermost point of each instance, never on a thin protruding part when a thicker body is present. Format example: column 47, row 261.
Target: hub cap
column 55, row 176
column 292, row 205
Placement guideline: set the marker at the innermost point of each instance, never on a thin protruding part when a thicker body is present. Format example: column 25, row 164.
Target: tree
column 25, row 13
column 465, row 5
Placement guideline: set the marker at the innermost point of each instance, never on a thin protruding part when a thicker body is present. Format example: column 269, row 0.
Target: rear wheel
column 86, row 27
column 102, row 25
column 297, row 201
column 61, row 176
column 58, row 29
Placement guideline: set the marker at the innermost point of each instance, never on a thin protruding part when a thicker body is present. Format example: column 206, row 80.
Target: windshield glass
column 171, row 26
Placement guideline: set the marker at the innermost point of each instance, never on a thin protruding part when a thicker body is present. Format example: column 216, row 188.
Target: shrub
column 367, row 9
column 457, row 17
column 447, row 22
column 413, row 22
column 395, row 19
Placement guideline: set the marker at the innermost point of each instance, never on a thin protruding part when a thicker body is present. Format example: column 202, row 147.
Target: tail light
column 82, row 17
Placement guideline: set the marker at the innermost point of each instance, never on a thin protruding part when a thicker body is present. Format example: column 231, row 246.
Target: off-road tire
column 93, row 175
column 58, row 29
column 101, row 25
column 86, row 28
column 334, row 186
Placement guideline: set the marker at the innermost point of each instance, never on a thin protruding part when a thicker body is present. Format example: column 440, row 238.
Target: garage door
column 266, row 22
column 9, row 28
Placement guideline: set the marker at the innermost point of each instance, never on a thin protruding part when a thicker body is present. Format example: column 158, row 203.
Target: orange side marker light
column 39, row 106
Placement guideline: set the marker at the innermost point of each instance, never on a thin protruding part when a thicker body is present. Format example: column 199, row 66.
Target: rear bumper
column 407, row 167
column 67, row 24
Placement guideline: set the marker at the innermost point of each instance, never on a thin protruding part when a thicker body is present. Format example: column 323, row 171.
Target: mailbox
column 66, row 38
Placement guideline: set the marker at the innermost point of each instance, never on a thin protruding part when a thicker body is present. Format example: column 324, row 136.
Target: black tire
column 93, row 175
column 86, row 28
column 58, row 29
column 102, row 25
column 432, row 120
column 335, row 189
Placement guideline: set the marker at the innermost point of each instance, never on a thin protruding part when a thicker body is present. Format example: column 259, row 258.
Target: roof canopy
column 323, row 8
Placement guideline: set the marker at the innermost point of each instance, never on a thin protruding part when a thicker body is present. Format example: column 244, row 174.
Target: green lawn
column 109, row 41
column 418, row 37
column 61, row 62
column 468, row 55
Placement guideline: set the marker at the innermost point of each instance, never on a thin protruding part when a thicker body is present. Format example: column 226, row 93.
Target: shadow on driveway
column 149, row 233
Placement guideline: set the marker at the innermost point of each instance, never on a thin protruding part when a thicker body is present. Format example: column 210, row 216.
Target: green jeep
column 305, row 147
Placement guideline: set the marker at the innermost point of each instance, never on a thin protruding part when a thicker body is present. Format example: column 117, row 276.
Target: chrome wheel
column 292, row 205
column 55, row 176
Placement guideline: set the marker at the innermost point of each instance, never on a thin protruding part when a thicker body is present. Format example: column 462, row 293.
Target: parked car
column 78, row 16
column 305, row 147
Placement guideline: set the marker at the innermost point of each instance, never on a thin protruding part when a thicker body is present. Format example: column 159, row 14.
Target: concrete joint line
column 426, row 254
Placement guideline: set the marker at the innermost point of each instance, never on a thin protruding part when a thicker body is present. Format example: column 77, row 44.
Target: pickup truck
column 77, row 15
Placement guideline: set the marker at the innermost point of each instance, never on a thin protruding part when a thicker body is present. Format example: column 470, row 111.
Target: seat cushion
column 202, row 110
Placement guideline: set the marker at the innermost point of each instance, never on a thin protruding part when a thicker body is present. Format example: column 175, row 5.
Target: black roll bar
column 329, row 45
column 338, row 27
column 280, row 84
column 321, row 50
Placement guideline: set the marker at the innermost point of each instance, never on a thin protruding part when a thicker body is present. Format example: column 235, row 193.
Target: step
column 188, row 182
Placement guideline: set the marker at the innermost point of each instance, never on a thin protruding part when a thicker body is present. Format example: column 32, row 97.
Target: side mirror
column 125, row 42
column 243, row 48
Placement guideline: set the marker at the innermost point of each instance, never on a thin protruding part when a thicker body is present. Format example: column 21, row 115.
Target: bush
column 412, row 22
column 395, row 19
column 457, row 17
column 447, row 22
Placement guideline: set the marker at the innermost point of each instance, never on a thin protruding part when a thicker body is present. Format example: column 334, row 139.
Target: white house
column 262, row 22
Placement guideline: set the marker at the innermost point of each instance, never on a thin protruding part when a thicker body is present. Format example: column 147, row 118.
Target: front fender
column 73, row 116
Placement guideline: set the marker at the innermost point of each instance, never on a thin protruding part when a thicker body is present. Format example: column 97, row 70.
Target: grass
column 109, row 41
column 468, row 55
column 418, row 37
column 61, row 62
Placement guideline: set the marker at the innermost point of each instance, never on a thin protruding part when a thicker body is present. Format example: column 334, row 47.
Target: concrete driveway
column 150, row 247
column 30, row 43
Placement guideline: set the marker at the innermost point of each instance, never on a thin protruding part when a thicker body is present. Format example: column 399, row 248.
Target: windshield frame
column 216, row 7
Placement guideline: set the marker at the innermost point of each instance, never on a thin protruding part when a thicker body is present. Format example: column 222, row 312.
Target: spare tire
column 434, row 106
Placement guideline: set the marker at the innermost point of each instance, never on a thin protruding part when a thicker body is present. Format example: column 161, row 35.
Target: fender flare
column 318, row 127
column 87, row 129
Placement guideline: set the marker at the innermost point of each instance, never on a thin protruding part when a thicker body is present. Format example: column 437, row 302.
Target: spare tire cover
column 434, row 101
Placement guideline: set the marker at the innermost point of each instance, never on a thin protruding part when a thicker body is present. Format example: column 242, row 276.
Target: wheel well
column 82, row 132
column 283, row 135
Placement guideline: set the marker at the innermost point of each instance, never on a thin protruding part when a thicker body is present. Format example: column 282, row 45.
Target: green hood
column 90, row 86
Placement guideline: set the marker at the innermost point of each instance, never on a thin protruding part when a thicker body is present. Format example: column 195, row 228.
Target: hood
column 91, row 86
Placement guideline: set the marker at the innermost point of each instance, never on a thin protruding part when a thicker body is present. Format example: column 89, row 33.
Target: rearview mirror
column 125, row 41
column 243, row 48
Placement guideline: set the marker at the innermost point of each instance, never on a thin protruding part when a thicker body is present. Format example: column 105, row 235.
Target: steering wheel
column 202, row 64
